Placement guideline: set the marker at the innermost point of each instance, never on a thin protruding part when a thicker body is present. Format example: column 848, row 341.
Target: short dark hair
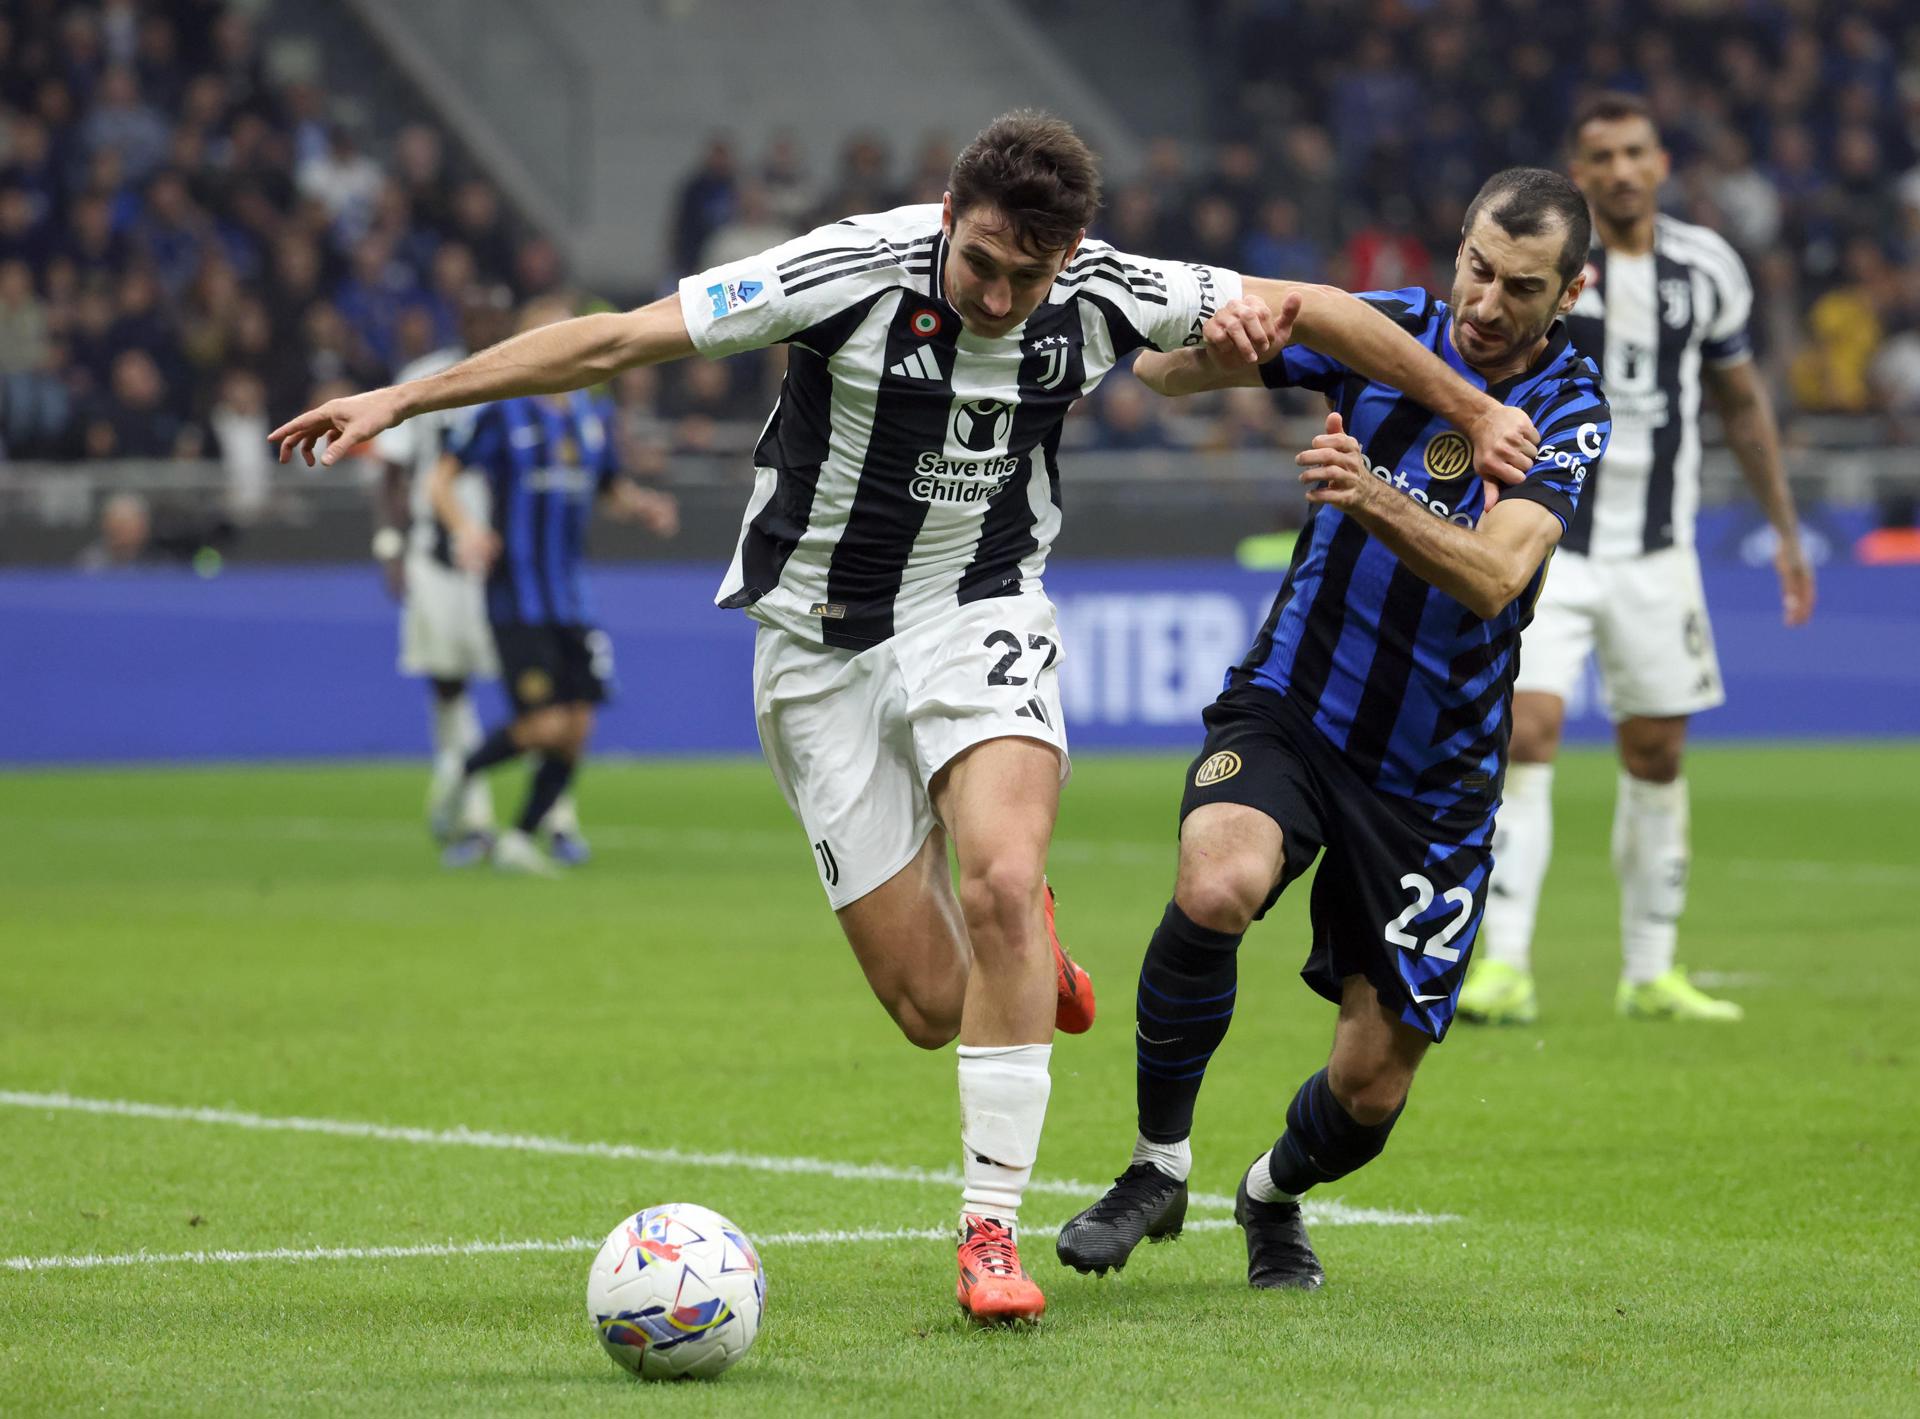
column 1608, row 106
column 1036, row 172
column 1526, row 201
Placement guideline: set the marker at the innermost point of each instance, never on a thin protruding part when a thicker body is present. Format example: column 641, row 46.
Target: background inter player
column 545, row 461
column 1370, row 719
column 906, row 496
column 1663, row 315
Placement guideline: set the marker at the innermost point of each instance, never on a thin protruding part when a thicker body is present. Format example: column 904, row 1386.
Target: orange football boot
column 1073, row 1008
column 994, row 1287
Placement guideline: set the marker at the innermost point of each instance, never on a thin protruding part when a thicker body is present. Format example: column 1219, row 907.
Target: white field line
column 1336, row 1213
column 722, row 841
column 93, row 1261
column 1728, row 980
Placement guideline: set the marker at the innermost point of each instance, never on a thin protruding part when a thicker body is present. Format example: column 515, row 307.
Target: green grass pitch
column 1648, row 1217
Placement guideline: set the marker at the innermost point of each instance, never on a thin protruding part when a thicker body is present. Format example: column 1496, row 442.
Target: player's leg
column 437, row 642
column 1500, row 990
column 1553, row 658
column 552, row 733
column 911, row 942
column 999, row 799
column 1339, row 1121
column 565, row 837
column 594, row 667
column 1651, row 856
column 1232, row 857
column 1235, row 856
column 1660, row 659
column 832, row 729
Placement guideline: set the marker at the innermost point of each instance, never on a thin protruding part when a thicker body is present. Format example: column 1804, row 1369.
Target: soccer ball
column 676, row 1291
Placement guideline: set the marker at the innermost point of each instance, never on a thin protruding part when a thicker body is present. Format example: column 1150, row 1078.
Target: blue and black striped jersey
column 1409, row 684
column 545, row 460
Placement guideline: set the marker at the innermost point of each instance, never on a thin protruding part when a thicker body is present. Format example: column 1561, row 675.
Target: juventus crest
column 1053, row 351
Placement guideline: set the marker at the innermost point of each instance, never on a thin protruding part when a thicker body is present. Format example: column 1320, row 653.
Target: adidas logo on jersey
column 918, row 365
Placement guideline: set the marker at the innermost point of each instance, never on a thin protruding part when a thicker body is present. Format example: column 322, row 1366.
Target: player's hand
column 657, row 511
column 475, row 549
column 1246, row 331
column 1796, row 581
column 1505, row 444
column 343, row 423
column 1335, row 469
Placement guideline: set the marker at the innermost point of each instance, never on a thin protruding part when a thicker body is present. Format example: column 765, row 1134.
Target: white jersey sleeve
column 780, row 293
column 1161, row 303
column 1727, row 341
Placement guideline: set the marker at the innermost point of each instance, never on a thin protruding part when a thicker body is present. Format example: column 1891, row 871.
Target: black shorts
column 1400, row 895
column 553, row 665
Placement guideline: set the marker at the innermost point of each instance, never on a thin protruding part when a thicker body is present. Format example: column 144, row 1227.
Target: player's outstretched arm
column 1483, row 567
column 1345, row 328
column 570, row 354
column 1754, row 436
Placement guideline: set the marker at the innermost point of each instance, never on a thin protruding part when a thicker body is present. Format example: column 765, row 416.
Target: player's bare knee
column 1651, row 763
column 1222, row 894
column 1370, row 1091
column 924, row 1030
column 1002, row 895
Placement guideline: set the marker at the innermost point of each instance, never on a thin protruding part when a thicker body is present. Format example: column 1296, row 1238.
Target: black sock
column 550, row 779
column 1185, row 1003
column 496, row 748
column 1323, row 1141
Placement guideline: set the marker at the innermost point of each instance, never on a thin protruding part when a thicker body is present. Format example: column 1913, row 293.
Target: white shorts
column 1645, row 620
column 443, row 627
column 855, row 738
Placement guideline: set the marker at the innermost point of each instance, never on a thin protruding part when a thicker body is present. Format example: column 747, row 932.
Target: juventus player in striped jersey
column 1664, row 313
column 907, row 491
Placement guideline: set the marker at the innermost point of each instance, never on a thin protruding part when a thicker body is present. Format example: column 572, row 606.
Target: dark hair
column 1526, row 202
column 1033, row 169
column 1608, row 106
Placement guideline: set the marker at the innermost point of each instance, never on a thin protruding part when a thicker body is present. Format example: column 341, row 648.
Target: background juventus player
column 1664, row 312
column 906, row 495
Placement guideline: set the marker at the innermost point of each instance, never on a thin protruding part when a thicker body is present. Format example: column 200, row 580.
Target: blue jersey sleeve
column 1575, row 425
column 1299, row 367
column 477, row 442
column 606, row 462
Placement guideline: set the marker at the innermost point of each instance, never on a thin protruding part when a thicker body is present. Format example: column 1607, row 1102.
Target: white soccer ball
column 676, row 1291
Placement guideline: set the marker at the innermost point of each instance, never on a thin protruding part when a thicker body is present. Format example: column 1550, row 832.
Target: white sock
column 563, row 817
column 1173, row 1159
column 1522, row 847
column 1650, row 854
column 456, row 733
column 1260, row 1181
column 1003, row 1103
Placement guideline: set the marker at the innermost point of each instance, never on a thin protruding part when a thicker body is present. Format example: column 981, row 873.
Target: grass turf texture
column 1709, row 1219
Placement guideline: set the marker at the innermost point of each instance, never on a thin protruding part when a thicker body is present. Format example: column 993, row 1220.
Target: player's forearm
column 1753, row 435
column 1177, row 372
column 1480, row 573
column 1349, row 330
column 569, row 354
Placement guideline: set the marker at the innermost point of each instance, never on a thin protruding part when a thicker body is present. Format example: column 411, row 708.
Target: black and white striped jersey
column 911, row 467
column 1649, row 323
column 416, row 445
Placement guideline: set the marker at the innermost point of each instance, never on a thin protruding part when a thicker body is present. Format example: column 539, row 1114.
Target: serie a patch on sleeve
column 730, row 296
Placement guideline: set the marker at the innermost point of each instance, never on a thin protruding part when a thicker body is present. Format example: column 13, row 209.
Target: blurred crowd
column 1350, row 135
column 193, row 247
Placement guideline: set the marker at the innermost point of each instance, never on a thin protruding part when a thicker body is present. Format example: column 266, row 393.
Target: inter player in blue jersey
column 547, row 460
column 1370, row 721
